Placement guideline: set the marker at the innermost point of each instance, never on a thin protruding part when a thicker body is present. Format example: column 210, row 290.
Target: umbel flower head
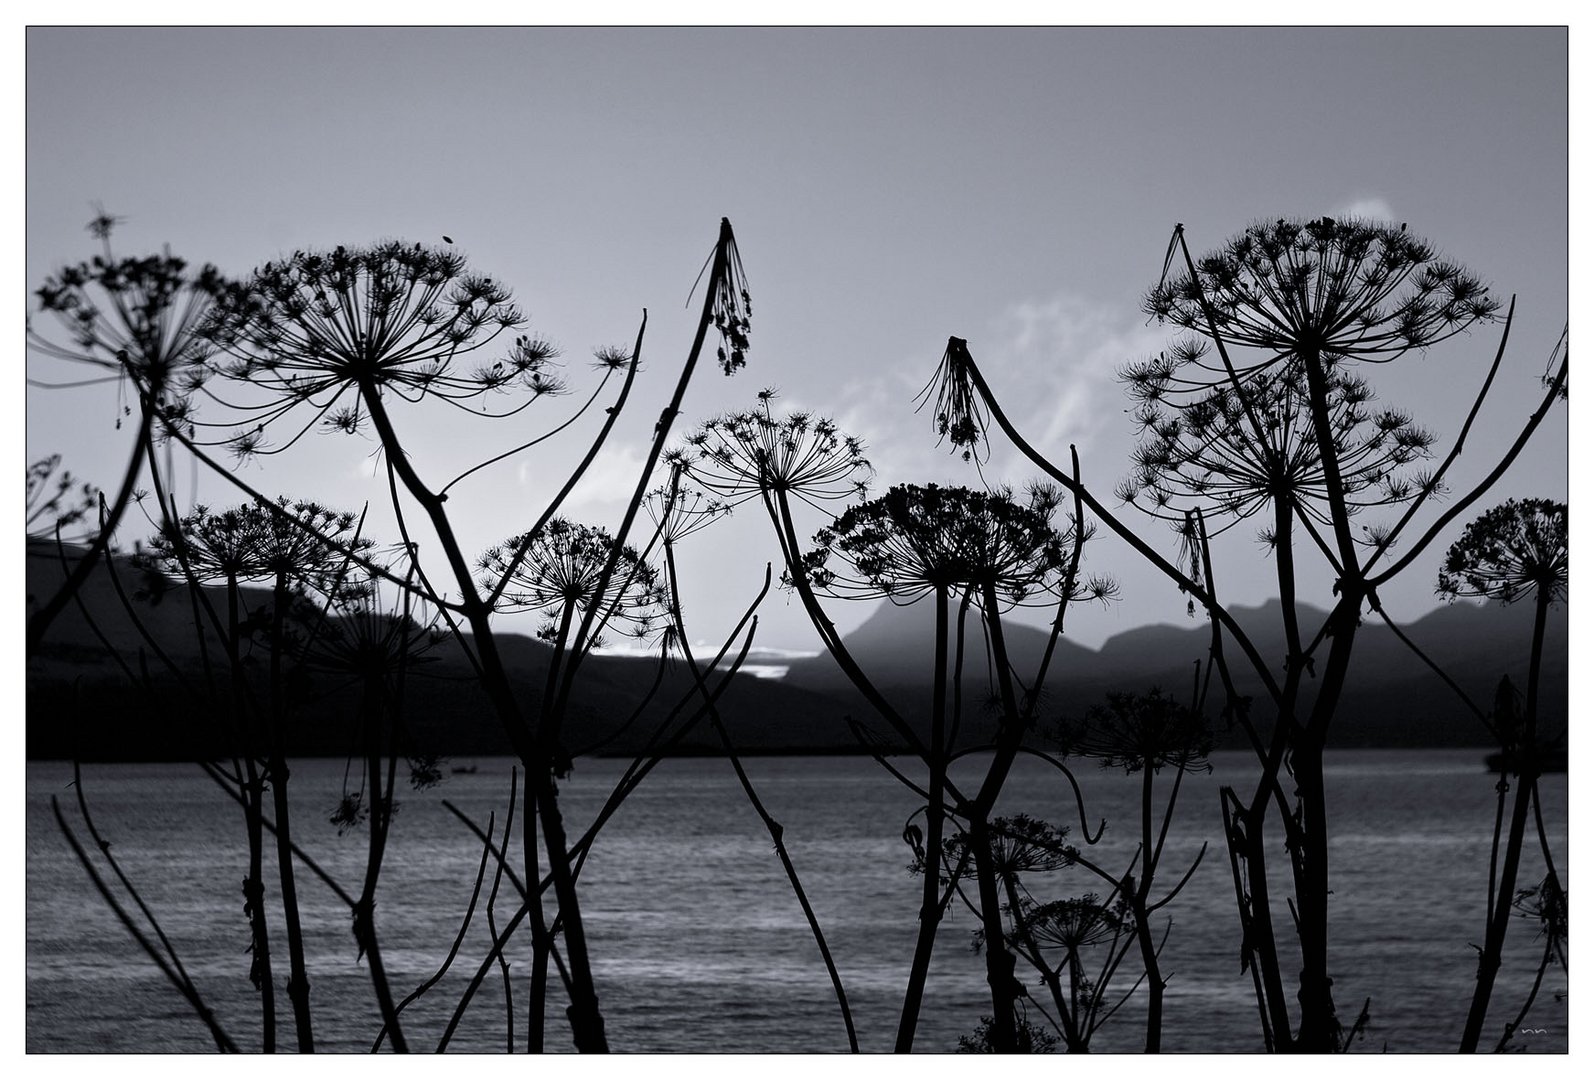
column 138, row 318
column 738, row 455
column 1234, row 454
column 679, row 511
column 56, row 500
column 1074, row 924
column 1141, row 731
column 392, row 318
column 369, row 639
column 560, row 574
column 960, row 414
column 1019, row 845
column 916, row 540
column 1342, row 290
column 303, row 543
column 1517, row 549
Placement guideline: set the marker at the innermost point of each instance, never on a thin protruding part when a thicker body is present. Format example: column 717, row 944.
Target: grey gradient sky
column 888, row 188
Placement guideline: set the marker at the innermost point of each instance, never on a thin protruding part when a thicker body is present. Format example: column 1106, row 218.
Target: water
column 697, row 942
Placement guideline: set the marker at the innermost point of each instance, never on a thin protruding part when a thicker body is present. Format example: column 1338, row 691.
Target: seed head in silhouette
column 731, row 306
column 1019, row 845
column 739, row 455
column 1141, row 731
column 400, row 319
column 1074, row 924
column 1517, row 549
column 370, row 638
column 559, row 578
column 915, row 540
column 960, row 415
column 1343, row 290
column 1232, row 454
column 678, row 511
column 136, row 318
column 56, row 500
column 300, row 542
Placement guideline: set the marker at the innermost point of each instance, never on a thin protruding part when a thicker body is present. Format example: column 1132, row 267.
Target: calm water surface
column 696, row 940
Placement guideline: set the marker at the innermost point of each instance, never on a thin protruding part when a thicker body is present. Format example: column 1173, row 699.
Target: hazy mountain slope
column 1392, row 697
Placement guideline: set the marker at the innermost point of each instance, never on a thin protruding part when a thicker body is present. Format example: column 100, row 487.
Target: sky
column 888, row 188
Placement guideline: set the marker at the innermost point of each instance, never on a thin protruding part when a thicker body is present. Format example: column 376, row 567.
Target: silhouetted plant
column 914, row 542
column 560, row 576
column 1510, row 552
column 319, row 327
column 1306, row 300
column 56, row 501
column 1031, row 1039
column 375, row 644
column 1205, row 453
column 296, row 546
column 1145, row 733
column 743, row 455
column 135, row 322
column 678, row 512
column 344, row 334
column 1054, row 937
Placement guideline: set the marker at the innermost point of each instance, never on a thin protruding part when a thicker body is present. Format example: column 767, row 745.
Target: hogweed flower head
column 960, row 413
column 301, row 542
column 56, row 500
column 560, row 573
column 916, row 540
column 370, row 638
column 678, row 511
column 1516, row 549
column 141, row 318
column 1019, row 845
column 1074, row 924
column 396, row 318
column 1341, row 289
column 1233, row 453
column 1138, row 732
column 739, row 455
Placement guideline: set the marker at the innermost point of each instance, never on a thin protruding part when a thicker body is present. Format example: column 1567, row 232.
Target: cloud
column 605, row 488
column 1053, row 362
column 1372, row 207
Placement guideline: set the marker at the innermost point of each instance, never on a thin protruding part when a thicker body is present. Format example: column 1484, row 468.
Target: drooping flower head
column 731, row 304
column 960, row 413
column 738, row 455
column 1517, row 549
column 560, row 574
column 136, row 318
column 1232, row 454
column 916, row 540
column 318, row 328
column 1342, row 290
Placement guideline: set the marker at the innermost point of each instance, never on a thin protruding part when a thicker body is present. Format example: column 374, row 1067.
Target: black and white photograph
column 794, row 540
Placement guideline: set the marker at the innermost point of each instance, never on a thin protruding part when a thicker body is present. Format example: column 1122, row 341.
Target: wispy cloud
column 1052, row 361
column 1371, row 207
column 1056, row 362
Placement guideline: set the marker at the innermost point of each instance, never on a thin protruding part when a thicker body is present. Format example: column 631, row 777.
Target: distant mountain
column 1391, row 699
column 82, row 700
